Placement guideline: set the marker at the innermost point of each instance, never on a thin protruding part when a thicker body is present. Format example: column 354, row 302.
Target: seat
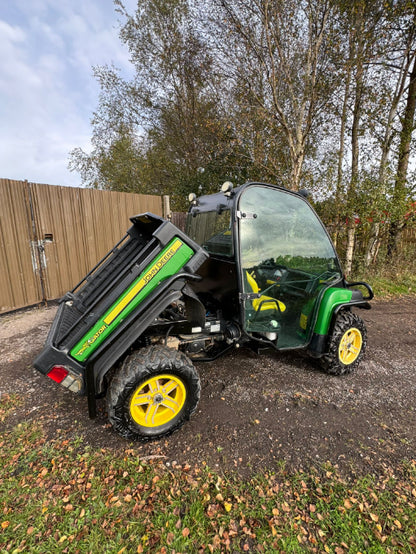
column 264, row 302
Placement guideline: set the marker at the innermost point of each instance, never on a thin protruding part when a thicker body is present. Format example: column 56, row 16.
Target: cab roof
column 220, row 201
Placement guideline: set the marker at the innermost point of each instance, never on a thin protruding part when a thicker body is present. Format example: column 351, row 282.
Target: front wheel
column 155, row 391
column 347, row 345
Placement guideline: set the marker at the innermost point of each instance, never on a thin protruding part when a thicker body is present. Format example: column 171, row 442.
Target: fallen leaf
column 185, row 532
column 216, row 542
column 374, row 517
column 227, row 506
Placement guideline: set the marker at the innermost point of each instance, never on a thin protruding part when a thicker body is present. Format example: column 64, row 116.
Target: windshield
column 284, row 229
column 212, row 230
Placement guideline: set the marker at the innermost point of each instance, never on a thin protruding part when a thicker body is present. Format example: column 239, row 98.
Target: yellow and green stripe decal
column 172, row 258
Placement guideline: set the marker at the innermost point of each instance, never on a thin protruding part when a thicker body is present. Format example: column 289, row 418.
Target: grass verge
column 62, row 496
column 389, row 282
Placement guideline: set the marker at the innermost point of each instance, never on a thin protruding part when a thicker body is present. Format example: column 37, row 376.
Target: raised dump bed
column 90, row 326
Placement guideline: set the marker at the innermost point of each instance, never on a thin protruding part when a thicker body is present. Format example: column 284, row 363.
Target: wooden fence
column 51, row 236
column 178, row 219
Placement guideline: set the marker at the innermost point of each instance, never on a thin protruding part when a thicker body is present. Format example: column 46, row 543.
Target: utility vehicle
column 255, row 266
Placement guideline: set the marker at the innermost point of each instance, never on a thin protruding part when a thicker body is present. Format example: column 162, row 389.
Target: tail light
column 58, row 373
column 64, row 377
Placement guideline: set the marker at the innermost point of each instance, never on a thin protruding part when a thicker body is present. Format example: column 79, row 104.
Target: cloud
column 47, row 90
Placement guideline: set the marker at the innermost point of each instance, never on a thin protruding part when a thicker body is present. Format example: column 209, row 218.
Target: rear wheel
column 155, row 391
column 347, row 345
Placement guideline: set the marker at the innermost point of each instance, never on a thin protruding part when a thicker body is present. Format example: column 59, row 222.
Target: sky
column 47, row 89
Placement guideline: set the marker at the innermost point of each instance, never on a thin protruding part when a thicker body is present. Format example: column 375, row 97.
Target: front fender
column 333, row 300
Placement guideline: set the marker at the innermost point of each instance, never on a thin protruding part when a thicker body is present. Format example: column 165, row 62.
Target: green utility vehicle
column 255, row 266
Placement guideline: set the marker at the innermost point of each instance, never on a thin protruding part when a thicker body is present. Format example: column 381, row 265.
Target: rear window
column 212, row 230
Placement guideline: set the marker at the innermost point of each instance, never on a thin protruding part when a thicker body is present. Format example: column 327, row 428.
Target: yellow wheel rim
column 350, row 346
column 158, row 400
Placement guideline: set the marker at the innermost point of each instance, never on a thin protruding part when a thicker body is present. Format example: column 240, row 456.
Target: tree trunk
column 354, row 164
column 373, row 244
column 399, row 195
column 338, row 191
column 357, row 48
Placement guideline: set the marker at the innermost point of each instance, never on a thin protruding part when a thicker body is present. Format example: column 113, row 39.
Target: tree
column 116, row 167
column 292, row 92
column 397, row 63
column 171, row 103
column 275, row 58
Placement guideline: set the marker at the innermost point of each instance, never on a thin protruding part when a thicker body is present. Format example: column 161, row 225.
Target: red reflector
column 58, row 373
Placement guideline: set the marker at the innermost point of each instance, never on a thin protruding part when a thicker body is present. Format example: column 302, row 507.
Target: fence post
column 167, row 214
column 36, row 243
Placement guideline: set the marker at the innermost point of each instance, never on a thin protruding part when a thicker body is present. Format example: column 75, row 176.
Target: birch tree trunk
column 355, row 151
column 338, row 191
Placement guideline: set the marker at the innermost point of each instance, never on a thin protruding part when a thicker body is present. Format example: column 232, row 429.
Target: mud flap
column 195, row 310
column 92, row 403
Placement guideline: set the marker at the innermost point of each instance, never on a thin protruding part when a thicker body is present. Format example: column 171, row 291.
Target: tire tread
column 138, row 367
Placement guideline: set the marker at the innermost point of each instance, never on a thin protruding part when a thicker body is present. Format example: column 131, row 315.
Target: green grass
column 401, row 284
column 8, row 404
column 389, row 282
column 62, row 496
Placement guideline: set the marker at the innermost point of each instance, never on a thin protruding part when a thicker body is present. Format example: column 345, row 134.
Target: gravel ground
column 256, row 411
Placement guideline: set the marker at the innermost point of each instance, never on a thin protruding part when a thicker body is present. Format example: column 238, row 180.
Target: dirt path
column 255, row 411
